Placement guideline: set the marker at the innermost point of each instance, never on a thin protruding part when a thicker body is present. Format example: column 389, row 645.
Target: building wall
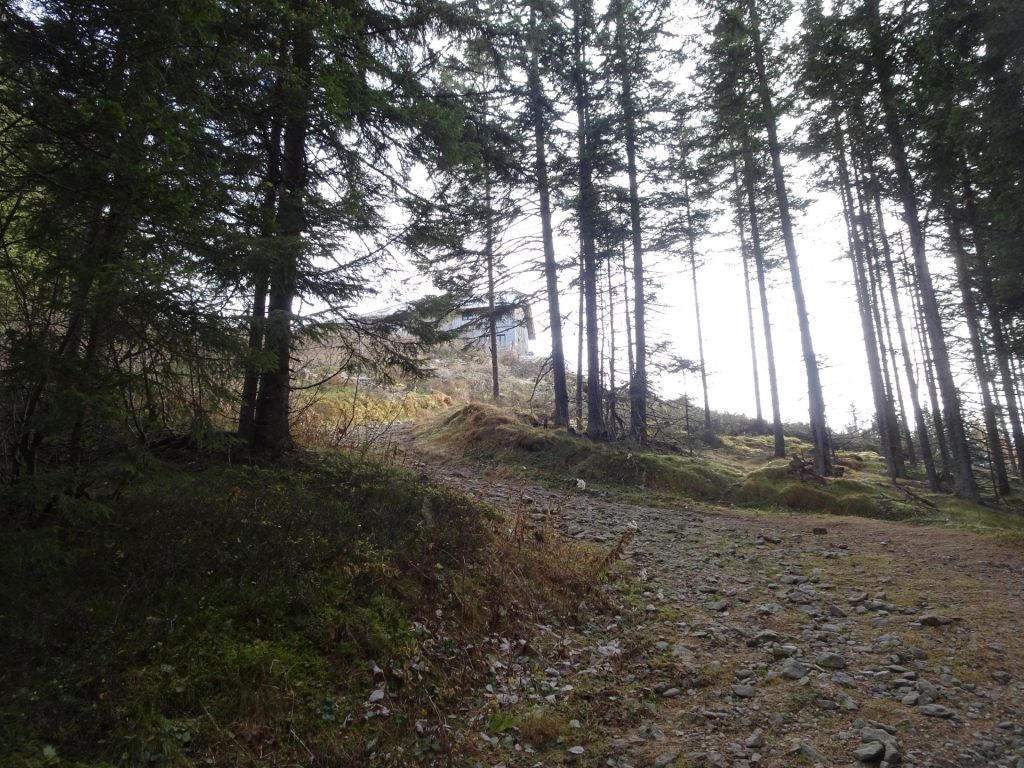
column 510, row 327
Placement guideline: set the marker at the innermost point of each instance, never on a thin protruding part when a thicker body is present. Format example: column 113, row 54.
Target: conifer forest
column 282, row 485
column 179, row 180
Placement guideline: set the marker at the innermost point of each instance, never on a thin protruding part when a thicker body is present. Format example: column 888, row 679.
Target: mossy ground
column 203, row 614
column 740, row 471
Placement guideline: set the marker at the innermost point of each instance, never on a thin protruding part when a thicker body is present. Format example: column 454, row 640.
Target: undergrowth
column 204, row 614
column 741, row 471
column 484, row 432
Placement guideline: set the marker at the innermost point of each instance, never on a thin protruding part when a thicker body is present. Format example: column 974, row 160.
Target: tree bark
column 638, row 382
column 762, row 289
column 923, row 439
column 995, row 322
column 272, row 434
column 928, row 370
column 816, row 402
column 981, row 368
column 863, row 305
column 745, row 258
column 492, row 318
column 586, row 211
column 874, row 302
column 964, row 484
column 691, row 253
column 537, row 100
column 613, row 415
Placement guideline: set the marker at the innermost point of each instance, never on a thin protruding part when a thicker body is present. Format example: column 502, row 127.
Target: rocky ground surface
column 745, row 640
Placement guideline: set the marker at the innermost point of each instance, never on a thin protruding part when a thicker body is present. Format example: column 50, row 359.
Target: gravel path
column 780, row 640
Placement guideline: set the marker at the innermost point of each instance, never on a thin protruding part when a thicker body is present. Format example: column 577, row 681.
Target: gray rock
column 830, row 660
column 783, row 651
column 670, row 693
column 844, row 679
column 717, row 606
column 755, row 740
column 1001, row 676
column 936, row 710
column 762, row 637
column 848, row 703
column 743, row 691
column 869, row 752
column 876, row 734
column 794, row 669
column 811, row 753
column 665, row 759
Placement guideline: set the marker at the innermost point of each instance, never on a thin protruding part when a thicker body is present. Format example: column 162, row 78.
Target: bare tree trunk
column 816, row 402
column 586, row 211
column 928, row 373
column 762, row 289
column 492, row 319
column 580, row 334
column 537, row 102
column 981, row 369
column 691, row 253
column 995, row 322
column 625, row 307
column 745, row 258
column 908, row 364
column 250, row 384
column 268, row 209
column 964, row 484
column 272, row 434
column 638, row 382
column 875, row 303
column 863, row 305
column 613, row 415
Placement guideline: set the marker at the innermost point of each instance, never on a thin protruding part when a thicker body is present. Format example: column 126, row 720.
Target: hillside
column 459, row 585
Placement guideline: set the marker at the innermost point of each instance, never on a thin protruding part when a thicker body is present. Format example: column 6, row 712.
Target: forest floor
column 739, row 638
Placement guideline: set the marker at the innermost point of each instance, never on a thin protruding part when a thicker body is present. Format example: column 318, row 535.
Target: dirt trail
column 782, row 640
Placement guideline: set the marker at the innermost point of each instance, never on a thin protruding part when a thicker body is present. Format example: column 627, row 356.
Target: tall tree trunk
column 271, row 434
column 638, row 382
column 492, row 315
column 863, row 305
column 586, row 212
column 816, row 402
column 691, row 253
column 537, row 101
column 923, row 440
column 625, row 307
column 745, row 258
column 995, row 322
column 613, row 415
column 1002, row 356
column 257, row 322
column 964, row 484
column 250, row 384
column 981, row 369
column 883, row 304
column 928, row 367
column 875, row 305
column 580, row 338
column 750, row 182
